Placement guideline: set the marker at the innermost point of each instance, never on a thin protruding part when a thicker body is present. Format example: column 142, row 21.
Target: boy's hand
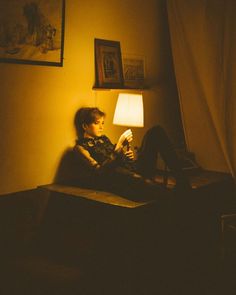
column 125, row 138
column 130, row 155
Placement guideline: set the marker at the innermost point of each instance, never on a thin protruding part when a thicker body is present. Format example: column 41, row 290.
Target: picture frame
column 108, row 64
column 134, row 71
column 32, row 32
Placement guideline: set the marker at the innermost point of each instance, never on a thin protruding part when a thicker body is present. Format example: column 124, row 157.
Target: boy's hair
column 87, row 116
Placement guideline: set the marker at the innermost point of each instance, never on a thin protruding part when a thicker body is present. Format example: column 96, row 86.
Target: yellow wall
column 38, row 103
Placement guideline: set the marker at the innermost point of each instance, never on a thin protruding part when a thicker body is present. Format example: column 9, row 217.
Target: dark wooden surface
column 94, row 195
column 199, row 178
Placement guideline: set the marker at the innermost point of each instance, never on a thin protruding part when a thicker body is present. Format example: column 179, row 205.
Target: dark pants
column 154, row 142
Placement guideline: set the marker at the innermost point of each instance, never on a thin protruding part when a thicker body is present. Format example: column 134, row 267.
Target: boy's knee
column 157, row 130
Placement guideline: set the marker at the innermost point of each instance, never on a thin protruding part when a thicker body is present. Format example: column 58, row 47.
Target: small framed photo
column 32, row 32
column 108, row 64
column 134, row 71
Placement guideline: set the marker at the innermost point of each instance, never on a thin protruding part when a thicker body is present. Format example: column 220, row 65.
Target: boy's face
column 94, row 129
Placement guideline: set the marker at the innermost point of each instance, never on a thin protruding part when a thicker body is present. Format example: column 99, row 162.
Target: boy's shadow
column 66, row 171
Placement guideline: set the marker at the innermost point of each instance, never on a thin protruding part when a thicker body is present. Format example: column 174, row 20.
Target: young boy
column 109, row 166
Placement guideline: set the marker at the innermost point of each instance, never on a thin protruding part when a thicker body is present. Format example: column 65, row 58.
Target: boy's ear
column 84, row 126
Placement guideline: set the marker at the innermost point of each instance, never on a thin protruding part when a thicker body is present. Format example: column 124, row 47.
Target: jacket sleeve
column 92, row 165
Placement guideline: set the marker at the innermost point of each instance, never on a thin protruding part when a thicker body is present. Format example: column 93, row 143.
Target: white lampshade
column 129, row 110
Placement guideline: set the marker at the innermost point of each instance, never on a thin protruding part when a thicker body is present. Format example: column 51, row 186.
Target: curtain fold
column 203, row 39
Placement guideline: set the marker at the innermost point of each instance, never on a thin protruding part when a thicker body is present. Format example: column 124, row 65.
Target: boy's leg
column 156, row 141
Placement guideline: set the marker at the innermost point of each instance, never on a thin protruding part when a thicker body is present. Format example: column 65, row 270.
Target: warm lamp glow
column 129, row 110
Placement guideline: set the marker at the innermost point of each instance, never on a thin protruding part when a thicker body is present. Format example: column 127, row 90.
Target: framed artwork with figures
column 32, row 32
column 108, row 64
column 134, row 71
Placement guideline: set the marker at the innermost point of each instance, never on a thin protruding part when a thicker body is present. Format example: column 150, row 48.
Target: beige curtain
column 203, row 38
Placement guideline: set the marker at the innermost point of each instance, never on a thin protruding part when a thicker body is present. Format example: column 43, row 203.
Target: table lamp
column 129, row 111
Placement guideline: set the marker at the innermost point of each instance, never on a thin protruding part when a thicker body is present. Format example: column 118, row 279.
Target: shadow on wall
column 66, row 171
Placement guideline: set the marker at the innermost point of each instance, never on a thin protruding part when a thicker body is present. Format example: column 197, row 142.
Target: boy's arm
column 84, row 156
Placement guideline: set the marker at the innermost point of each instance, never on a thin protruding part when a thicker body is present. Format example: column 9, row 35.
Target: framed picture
column 108, row 64
column 32, row 32
column 134, row 71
